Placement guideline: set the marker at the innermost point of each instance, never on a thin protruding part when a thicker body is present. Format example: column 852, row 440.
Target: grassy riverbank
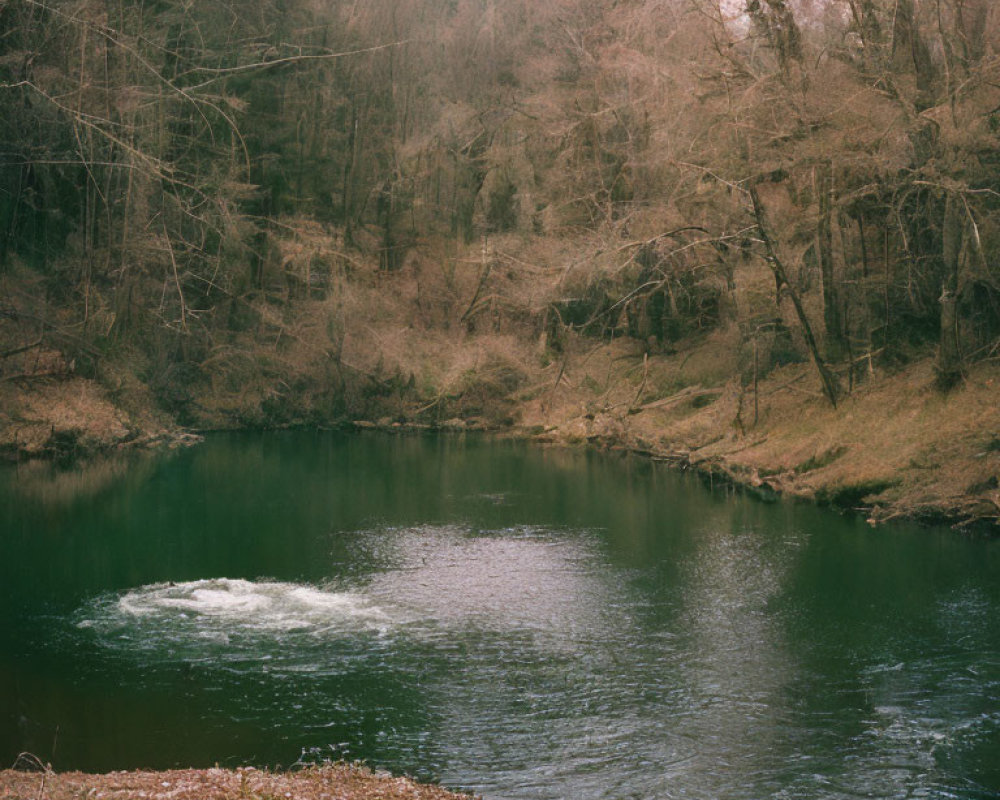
column 333, row 782
column 894, row 448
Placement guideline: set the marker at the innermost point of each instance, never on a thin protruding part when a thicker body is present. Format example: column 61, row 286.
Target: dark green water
column 522, row 622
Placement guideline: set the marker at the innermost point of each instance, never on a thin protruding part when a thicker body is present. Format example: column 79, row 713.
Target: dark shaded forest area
column 280, row 211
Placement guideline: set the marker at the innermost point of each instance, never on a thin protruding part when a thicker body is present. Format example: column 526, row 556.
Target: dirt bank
column 333, row 782
column 67, row 417
column 895, row 447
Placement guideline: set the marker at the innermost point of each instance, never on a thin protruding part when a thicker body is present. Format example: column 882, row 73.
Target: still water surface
column 516, row 621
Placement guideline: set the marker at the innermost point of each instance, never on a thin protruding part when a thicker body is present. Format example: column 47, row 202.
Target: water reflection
column 734, row 712
column 54, row 486
column 519, row 579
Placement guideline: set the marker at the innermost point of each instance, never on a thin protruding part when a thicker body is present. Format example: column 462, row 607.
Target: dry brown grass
column 896, row 446
column 31, row 412
column 333, row 782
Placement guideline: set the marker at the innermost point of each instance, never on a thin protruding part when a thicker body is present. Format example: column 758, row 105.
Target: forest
column 257, row 213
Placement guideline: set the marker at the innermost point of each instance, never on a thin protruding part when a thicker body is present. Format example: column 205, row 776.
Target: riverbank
column 331, row 782
column 68, row 417
column 895, row 447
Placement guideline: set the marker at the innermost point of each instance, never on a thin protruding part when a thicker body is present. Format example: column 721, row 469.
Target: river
column 517, row 621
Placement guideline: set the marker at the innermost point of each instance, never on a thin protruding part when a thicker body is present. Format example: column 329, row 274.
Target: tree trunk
column 836, row 344
column 972, row 17
column 908, row 35
column 830, row 388
column 949, row 366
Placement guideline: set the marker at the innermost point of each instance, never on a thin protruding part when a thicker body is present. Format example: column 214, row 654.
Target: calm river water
column 516, row 621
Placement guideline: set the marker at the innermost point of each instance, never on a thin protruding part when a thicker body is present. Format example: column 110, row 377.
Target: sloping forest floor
column 894, row 448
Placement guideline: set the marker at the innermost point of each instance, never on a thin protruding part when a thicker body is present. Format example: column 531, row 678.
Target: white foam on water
column 233, row 604
column 435, row 580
